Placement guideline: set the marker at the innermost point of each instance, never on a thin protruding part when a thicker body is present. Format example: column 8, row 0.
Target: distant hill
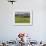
column 22, row 14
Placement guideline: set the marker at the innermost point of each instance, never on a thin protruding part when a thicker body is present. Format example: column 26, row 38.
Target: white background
column 8, row 31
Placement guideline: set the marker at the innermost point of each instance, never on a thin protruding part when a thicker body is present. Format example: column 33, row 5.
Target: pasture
column 22, row 19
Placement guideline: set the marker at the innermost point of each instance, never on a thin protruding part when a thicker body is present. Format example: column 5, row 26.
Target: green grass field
column 22, row 19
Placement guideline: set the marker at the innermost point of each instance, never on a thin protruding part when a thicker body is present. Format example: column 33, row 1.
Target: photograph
column 23, row 18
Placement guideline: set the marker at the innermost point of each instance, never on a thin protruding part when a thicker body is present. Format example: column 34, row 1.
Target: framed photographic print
column 23, row 18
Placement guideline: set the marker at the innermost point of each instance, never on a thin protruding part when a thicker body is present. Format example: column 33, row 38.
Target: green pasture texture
column 22, row 19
